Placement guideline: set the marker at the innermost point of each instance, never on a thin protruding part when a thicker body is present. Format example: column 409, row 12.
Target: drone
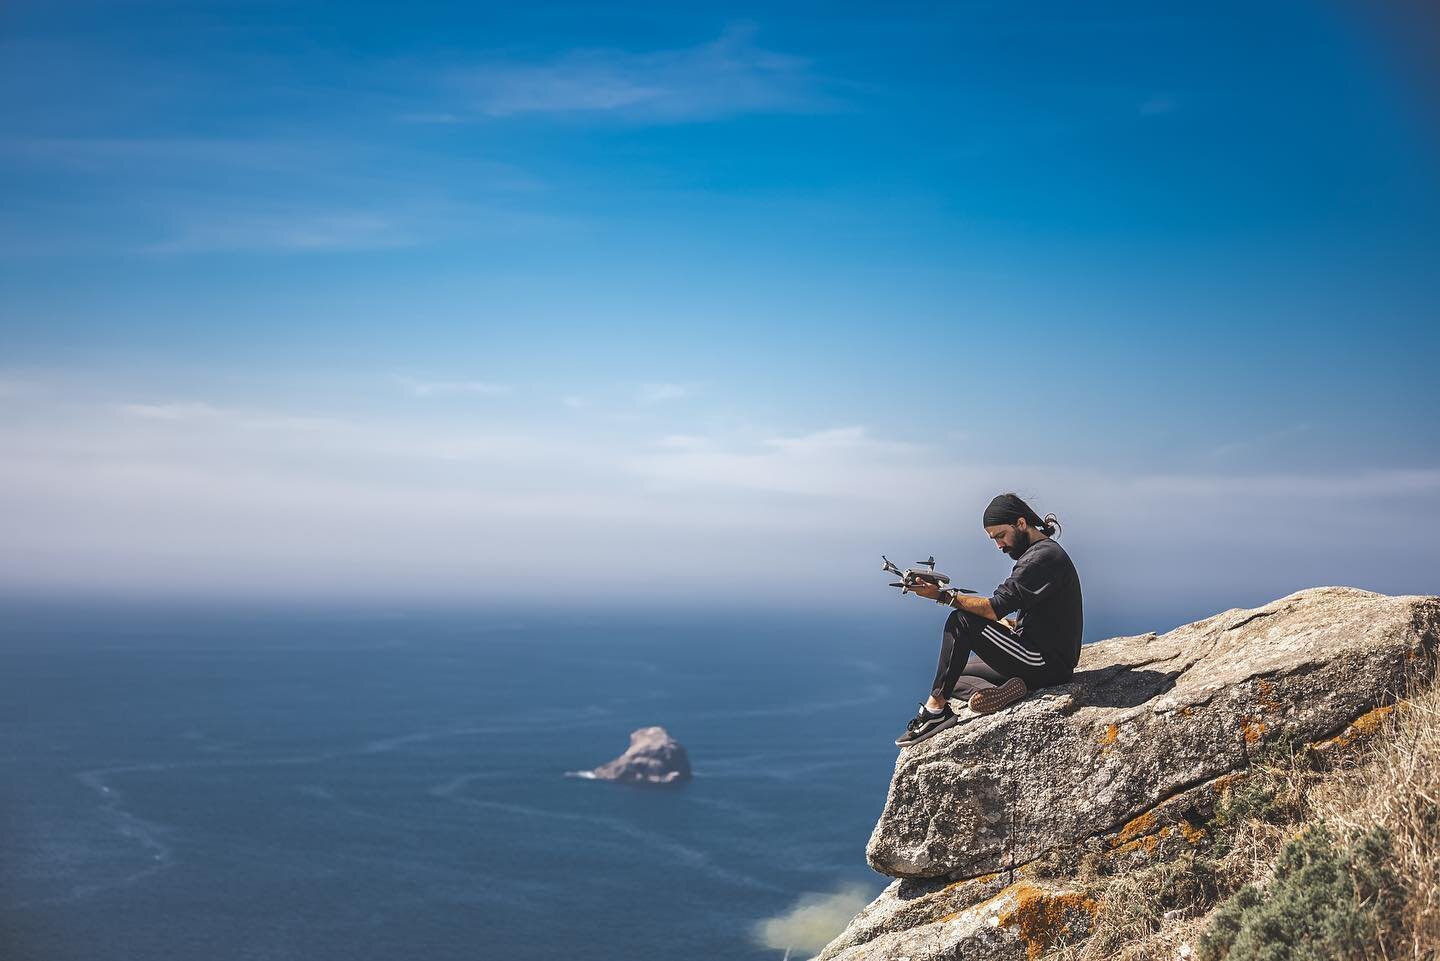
column 912, row 576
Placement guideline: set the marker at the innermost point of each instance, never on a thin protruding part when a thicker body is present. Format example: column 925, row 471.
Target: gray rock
column 1125, row 761
column 1023, row 920
column 913, row 904
column 1146, row 718
column 653, row 757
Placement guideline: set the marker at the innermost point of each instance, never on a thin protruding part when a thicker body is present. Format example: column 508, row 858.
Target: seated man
column 1009, row 660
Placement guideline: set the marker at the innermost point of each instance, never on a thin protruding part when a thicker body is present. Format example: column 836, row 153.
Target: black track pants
column 1006, row 653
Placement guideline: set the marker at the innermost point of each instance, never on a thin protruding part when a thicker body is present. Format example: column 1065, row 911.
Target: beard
column 1023, row 540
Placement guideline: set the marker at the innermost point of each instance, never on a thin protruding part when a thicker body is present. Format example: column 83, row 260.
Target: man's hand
column 927, row 589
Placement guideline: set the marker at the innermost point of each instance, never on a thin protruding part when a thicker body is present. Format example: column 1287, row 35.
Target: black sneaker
column 925, row 724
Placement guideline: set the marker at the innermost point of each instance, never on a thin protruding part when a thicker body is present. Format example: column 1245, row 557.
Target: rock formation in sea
column 1126, row 763
column 653, row 757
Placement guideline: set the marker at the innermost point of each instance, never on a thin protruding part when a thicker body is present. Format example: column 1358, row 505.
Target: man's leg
column 977, row 676
column 954, row 655
column 995, row 644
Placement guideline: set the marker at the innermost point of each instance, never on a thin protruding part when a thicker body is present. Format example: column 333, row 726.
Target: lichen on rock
column 1125, row 762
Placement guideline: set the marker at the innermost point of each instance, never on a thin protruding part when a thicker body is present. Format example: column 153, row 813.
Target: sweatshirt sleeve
column 1026, row 587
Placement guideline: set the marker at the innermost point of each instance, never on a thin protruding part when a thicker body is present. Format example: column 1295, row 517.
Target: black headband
column 1007, row 509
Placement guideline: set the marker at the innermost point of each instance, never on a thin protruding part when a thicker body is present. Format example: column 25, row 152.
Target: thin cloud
column 659, row 393
column 294, row 231
column 729, row 75
column 1259, row 442
column 172, row 412
column 434, row 388
column 169, row 196
column 843, row 462
column 183, row 413
column 234, row 497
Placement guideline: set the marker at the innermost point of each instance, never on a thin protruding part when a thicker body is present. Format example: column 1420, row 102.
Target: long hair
column 1049, row 524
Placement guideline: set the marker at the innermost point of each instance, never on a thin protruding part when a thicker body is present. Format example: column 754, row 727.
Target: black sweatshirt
column 1045, row 589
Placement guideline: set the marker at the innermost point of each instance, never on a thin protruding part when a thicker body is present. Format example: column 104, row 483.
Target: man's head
column 1013, row 526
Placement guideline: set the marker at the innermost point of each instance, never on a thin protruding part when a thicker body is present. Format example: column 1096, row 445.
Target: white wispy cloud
column 174, row 411
column 177, row 196
column 659, row 393
column 1259, row 442
column 845, row 462
column 432, row 388
column 185, row 490
column 728, row 75
column 295, row 230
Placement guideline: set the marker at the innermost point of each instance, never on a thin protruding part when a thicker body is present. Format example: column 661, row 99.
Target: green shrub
column 1265, row 795
column 1326, row 903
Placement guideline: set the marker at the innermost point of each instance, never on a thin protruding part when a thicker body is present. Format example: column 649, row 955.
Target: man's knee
column 964, row 624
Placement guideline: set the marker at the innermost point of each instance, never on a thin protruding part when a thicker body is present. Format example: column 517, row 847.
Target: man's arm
column 965, row 602
column 975, row 605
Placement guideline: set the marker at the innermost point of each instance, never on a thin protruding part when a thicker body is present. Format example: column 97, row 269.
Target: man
column 989, row 659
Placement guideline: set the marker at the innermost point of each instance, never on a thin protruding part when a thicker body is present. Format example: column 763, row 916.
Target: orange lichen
column 1141, row 834
column 1148, row 844
column 1362, row 727
column 1368, row 723
column 1223, row 782
column 1135, row 828
column 1253, row 729
column 1040, row 917
column 1112, row 733
column 1267, row 697
column 966, row 882
column 1188, row 711
column 1190, row 832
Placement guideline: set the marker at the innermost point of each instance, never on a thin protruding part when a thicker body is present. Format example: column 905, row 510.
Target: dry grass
column 1397, row 786
column 1391, row 780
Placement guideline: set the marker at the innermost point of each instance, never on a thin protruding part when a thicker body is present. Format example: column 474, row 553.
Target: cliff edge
column 1128, row 759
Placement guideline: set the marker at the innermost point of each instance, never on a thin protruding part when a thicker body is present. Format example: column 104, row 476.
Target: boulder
column 1125, row 761
column 653, row 757
column 1145, row 718
column 1023, row 920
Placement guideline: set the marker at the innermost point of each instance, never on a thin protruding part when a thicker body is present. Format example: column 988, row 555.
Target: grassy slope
column 1329, row 853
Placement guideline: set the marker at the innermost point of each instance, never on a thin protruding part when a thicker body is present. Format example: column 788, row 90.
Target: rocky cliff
column 1125, row 762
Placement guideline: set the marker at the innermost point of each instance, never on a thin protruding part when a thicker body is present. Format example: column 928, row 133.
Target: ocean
column 186, row 782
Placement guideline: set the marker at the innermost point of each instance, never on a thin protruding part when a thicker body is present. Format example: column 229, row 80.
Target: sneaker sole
column 949, row 722
column 988, row 702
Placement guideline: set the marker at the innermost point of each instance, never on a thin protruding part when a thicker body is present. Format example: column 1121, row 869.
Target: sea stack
column 654, row 757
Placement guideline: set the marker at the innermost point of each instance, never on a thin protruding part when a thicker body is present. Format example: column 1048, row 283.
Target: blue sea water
column 193, row 783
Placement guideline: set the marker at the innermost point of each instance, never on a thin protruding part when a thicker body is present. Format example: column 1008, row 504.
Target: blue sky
column 315, row 299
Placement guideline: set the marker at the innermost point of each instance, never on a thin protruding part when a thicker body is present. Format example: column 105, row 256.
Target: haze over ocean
column 400, row 405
